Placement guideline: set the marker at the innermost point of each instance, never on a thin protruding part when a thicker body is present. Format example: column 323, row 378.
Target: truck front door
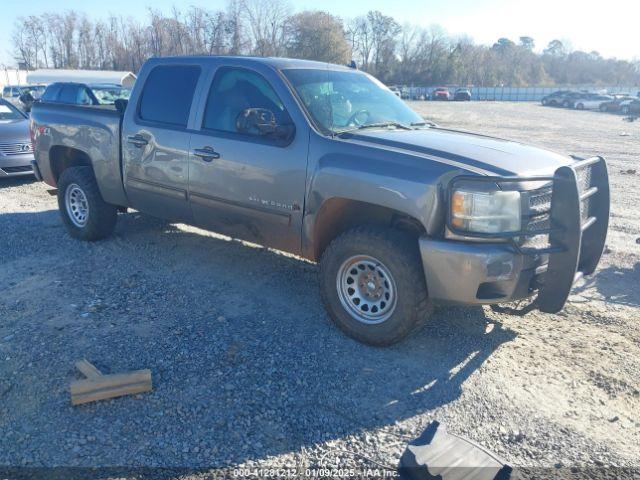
column 155, row 141
column 248, row 160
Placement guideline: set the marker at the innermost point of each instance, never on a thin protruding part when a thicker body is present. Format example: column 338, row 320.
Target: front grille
column 539, row 201
column 10, row 149
column 585, row 208
column 23, row 168
column 584, row 184
column 539, row 222
column 584, row 179
column 537, row 218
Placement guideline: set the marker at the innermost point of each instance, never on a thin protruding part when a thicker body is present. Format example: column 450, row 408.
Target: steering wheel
column 353, row 119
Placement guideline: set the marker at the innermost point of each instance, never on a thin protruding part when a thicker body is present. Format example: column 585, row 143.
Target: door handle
column 138, row 140
column 207, row 154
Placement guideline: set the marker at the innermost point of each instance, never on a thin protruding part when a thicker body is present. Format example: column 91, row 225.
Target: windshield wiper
column 399, row 125
column 423, row 124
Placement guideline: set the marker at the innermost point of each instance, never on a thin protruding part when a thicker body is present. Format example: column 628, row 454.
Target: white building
column 47, row 76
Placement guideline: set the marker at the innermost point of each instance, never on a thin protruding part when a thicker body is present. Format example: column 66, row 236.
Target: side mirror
column 121, row 105
column 262, row 122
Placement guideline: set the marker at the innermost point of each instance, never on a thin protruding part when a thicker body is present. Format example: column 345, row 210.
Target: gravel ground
column 249, row 372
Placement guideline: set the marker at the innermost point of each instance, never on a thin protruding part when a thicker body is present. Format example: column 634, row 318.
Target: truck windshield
column 340, row 101
column 9, row 112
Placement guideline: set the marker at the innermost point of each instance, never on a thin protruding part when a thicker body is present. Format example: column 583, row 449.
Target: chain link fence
column 513, row 94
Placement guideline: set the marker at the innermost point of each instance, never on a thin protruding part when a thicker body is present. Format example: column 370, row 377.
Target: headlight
column 486, row 212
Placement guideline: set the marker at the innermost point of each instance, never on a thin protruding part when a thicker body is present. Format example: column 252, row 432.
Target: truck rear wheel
column 372, row 284
column 84, row 213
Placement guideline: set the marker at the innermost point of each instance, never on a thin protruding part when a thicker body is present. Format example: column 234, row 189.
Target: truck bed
column 92, row 130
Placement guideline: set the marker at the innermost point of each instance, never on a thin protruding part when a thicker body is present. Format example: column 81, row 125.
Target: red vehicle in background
column 441, row 93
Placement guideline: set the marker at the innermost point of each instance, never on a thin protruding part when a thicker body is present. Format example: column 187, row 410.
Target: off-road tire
column 101, row 217
column 398, row 252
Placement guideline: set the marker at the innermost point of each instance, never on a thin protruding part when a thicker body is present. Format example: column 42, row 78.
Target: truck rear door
column 247, row 180
column 155, row 140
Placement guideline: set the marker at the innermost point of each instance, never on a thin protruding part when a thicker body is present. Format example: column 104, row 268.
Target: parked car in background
column 22, row 96
column 569, row 99
column 396, row 91
column 555, row 99
column 591, row 101
column 462, row 95
column 107, row 94
column 69, row 93
column 614, row 104
column 72, row 93
column 630, row 107
column 399, row 213
column 441, row 93
column 16, row 149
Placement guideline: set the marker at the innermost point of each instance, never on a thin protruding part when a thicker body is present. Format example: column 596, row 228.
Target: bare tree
column 409, row 55
column 238, row 42
column 361, row 37
column 266, row 20
column 317, row 36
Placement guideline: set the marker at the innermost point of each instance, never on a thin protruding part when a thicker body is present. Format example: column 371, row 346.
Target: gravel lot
column 248, row 370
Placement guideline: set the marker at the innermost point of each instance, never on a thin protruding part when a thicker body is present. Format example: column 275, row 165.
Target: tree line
column 397, row 54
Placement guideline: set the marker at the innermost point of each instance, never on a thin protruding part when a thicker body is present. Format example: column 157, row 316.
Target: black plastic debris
column 438, row 455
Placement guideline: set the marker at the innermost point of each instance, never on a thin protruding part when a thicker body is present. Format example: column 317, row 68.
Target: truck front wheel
column 84, row 213
column 372, row 284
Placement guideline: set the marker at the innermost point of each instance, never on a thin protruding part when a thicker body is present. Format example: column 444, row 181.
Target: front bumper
column 575, row 223
column 16, row 165
column 476, row 273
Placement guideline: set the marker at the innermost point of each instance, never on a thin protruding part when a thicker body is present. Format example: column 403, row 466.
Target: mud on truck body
column 325, row 162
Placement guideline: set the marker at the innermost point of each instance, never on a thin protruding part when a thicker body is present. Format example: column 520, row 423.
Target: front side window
column 342, row 100
column 167, row 94
column 234, row 92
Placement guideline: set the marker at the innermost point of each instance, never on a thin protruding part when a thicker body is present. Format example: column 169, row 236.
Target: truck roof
column 275, row 62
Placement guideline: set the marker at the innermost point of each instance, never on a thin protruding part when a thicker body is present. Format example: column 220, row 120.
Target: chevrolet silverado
column 326, row 162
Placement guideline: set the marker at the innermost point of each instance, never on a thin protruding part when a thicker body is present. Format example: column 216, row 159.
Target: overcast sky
column 611, row 28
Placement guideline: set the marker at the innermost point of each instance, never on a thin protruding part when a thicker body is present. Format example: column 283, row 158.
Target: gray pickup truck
column 325, row 162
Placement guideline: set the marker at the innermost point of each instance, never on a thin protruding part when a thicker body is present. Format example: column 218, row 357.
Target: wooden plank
column 87, row 368
column 110, row 386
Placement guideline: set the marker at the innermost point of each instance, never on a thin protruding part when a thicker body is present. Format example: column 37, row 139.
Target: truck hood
column 14, row 131
column 479, row 153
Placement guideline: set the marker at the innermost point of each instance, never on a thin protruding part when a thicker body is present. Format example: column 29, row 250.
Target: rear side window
column 51, row 93
column 168, row 93
column 68, row 94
